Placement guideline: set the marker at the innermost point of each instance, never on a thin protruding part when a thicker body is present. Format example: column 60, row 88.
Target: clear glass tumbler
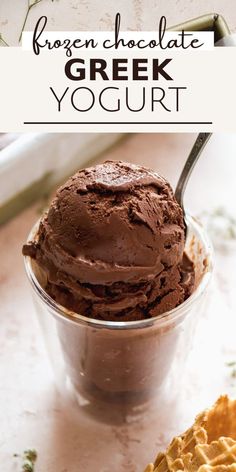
column 119, row 367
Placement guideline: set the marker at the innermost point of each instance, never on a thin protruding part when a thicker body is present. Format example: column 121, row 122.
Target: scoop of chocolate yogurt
column 112, row 244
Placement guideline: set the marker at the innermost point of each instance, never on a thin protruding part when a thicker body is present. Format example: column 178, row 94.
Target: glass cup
column 117, row 368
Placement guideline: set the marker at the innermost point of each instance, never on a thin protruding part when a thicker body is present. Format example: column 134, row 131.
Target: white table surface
column 31, row 412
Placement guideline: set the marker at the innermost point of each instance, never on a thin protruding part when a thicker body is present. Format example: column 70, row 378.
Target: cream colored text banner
column 118, row 91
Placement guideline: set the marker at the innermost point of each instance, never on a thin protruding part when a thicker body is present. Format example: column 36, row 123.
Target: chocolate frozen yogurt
column 110, row 263
column 112, row 244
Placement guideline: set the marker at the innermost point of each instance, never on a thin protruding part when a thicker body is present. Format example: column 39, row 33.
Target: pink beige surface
column 32, row 414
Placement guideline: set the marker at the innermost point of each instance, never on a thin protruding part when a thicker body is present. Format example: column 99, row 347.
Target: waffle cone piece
column 208, row 446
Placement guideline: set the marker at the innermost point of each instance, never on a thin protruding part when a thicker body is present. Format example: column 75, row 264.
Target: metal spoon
column 188, row 168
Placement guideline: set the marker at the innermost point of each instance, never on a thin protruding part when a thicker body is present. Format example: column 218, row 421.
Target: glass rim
column 168, row 316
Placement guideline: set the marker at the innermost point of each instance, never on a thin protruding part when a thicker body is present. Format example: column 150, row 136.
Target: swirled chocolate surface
column 112, row 244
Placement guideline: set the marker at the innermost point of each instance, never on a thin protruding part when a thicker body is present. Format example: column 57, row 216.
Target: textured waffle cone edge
column 208, row 446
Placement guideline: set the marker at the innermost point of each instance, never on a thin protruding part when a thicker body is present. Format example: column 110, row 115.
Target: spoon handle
column 189, row 166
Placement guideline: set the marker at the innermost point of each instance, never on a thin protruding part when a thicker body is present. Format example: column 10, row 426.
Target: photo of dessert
column 121, row 278
column 111, row 248
column 112, row 244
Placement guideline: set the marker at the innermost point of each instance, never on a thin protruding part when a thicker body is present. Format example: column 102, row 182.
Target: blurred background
column 32, row 165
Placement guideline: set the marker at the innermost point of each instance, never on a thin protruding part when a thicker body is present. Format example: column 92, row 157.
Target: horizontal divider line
column 118, row 122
